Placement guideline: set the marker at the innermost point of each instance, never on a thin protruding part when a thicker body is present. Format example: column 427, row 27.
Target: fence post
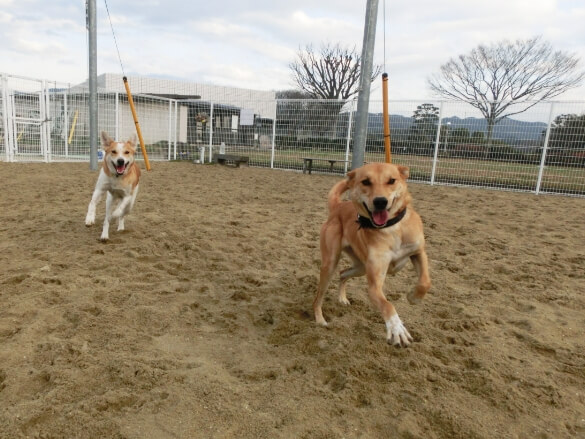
column 170, row 130
column 117, row 116
column 211, row 131
column 176, row 128
column 349, row 121
column 437, row 140
column 210, row 144
column 544, row 149
column 43, row 121
column 66, row 124
column 10, row 134
column 4, row 82
column 48, row 122
column 273, row 142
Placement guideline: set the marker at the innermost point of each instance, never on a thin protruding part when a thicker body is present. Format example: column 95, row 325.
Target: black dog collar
column 367, row 223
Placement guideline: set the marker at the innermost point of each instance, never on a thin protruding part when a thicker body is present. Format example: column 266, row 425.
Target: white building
column 186, row 107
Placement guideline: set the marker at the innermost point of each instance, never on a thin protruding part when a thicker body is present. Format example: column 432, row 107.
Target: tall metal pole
column 361, row 120
column 93, row 107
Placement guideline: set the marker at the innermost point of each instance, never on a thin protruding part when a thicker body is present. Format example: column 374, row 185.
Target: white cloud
column 250, row 44
column 5, row 17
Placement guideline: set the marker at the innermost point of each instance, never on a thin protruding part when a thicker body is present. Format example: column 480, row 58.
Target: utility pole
column 361, row 120
column 92, row 79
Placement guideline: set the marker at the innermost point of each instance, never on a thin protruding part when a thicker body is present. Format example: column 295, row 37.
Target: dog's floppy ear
column 106, row 139
column 351, row 175
column 404, row 171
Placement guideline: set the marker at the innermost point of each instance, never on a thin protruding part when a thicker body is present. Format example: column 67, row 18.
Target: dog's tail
column 334, row 197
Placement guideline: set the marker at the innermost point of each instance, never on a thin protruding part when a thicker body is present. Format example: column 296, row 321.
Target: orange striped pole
column 387, row 148
column 131, row 102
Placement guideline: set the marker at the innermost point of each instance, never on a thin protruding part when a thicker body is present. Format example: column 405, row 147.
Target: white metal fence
column 541, row 150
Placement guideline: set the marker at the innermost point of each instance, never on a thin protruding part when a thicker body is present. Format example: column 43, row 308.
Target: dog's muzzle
column 120, row 166
column 379, row 215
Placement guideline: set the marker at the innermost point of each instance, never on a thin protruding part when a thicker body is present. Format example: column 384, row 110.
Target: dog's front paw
column 397, row 334
column 104, row 237
column 89, row 220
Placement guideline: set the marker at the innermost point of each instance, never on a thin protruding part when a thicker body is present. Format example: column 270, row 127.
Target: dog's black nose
column 120, row 161
column 380, row 203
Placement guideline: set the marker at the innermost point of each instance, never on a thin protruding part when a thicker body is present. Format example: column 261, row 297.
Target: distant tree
column 568, row 132
column 426, row 114
column 424, row 127
column 460, row 134
column 478, row 136
column 507, row 78
column 331, row 73
column 292, row 94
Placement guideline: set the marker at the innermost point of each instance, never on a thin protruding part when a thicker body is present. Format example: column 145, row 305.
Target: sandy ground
column 196, row 321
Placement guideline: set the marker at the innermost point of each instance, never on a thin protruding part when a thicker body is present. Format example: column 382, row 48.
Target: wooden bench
column 237, row 160
column 308, row 163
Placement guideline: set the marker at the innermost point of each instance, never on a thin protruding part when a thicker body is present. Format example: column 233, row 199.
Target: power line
column 384, row 27
column 114, row 35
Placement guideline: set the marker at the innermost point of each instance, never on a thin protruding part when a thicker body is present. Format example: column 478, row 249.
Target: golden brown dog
column 380, row 231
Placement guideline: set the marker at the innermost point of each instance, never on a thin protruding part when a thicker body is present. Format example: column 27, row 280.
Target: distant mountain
column 507, row 129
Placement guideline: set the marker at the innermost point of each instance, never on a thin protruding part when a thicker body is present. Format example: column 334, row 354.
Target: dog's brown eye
column 366, row 182
column 126, row 152
column 392, row 181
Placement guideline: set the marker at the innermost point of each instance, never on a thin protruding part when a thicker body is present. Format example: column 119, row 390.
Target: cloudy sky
column 250, row 44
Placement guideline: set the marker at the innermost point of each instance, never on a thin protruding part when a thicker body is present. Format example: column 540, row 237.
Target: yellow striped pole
column 131, row 102
column 387, row 148
column 72, row 130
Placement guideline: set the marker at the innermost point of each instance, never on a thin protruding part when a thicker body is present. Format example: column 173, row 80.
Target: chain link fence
column 541, row 150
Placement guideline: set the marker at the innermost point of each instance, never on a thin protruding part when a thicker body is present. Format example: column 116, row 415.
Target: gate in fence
column 25, row 111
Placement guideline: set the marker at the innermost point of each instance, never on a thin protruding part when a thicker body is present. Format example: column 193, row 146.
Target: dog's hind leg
column 125, row 208
column 106, row 228
column 421, row 265
column 324, row 279
column 134, row 193
column 356, row 270
column 121, row 211
column 121, row 224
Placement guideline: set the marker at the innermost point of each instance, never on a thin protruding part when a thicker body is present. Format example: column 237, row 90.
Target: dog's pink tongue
column 120, row 169
column 380, row 217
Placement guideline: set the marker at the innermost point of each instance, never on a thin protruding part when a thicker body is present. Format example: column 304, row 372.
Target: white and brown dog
column 380, row 231
column 118, row 177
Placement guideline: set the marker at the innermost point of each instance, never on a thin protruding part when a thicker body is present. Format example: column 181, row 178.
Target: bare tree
column 331, row 73
column 291, row 94
column 507, row 78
